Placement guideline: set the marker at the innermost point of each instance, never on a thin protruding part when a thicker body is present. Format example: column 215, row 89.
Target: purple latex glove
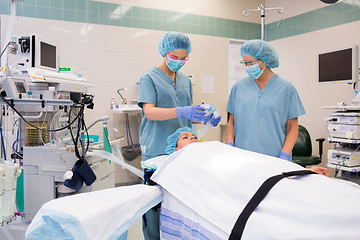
column 193, row 113
column 230, row 144
column 285, row 156
column 213, row 120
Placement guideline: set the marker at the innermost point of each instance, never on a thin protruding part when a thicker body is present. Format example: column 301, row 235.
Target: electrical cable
column 48, row 130
column 87, row 136
column 16, row 142
column 81, row 124
column 83, row 127
column 72, row 136
column 2, row 142
column 7, row 45
column 42, row 126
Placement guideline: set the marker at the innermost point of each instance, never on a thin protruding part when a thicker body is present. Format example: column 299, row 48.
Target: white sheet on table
column 216, row 181
column 103, row 214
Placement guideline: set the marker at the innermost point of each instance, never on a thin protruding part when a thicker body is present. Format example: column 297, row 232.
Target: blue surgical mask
column 174, row 65
column 254, row 71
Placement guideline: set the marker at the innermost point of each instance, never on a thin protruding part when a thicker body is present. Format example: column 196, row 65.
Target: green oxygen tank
column 20, row 192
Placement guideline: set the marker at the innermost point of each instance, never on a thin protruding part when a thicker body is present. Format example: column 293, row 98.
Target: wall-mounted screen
column 340, row 65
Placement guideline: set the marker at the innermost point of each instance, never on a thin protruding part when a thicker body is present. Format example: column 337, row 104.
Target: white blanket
column 104, row 214
column 215, row 181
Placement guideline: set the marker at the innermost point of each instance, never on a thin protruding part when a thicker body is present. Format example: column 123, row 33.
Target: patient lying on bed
column 184, row 136
column 207, row 185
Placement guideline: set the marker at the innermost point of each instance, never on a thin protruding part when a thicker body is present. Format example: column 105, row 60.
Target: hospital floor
column 135, row 232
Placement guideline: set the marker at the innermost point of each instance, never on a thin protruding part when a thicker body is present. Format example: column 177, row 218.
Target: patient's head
column 179, row 139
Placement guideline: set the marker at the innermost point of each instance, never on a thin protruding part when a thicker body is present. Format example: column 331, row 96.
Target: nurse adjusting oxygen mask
column 212, row 110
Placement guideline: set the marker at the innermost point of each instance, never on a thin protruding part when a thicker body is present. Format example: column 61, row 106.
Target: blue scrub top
column 260, row 117
column 158, row 88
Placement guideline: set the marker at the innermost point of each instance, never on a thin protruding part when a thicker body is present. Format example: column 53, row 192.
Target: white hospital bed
column 208, row 185
column 205, row 186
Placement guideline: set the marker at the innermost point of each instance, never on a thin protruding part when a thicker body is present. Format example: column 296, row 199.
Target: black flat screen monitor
column 48, row 55
column 44, row 53
column 339, row 65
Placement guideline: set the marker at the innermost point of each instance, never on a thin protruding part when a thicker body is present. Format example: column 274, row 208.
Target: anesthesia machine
column 45, row 143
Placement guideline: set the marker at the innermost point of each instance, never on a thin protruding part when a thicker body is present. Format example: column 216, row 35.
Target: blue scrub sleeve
column 147, row 93
column 230, row 106
column 296, row 108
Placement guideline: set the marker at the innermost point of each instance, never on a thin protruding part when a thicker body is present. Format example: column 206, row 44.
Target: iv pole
column 262, row 10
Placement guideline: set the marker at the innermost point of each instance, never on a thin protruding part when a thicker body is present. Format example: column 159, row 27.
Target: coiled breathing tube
column 211, row 109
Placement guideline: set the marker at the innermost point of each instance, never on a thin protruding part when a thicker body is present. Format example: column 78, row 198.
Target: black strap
column 260, row 194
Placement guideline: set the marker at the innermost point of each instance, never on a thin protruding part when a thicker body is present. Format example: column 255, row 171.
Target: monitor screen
column 47, row 55
column 336, row 66
column 44, row 53
column 20, row 86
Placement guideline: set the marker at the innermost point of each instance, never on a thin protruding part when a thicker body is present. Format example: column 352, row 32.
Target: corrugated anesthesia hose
column 120, row 161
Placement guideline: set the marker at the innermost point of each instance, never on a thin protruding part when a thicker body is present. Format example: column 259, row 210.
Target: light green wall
column 329, row 16
column 94, row 12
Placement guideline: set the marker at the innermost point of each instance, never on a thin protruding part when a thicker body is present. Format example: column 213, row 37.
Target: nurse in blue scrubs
column 166, row 98
column 264, row 107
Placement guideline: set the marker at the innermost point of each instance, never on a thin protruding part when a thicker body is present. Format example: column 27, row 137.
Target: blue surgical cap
column 173, row 41
column 262, row 50
column 173, row 138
